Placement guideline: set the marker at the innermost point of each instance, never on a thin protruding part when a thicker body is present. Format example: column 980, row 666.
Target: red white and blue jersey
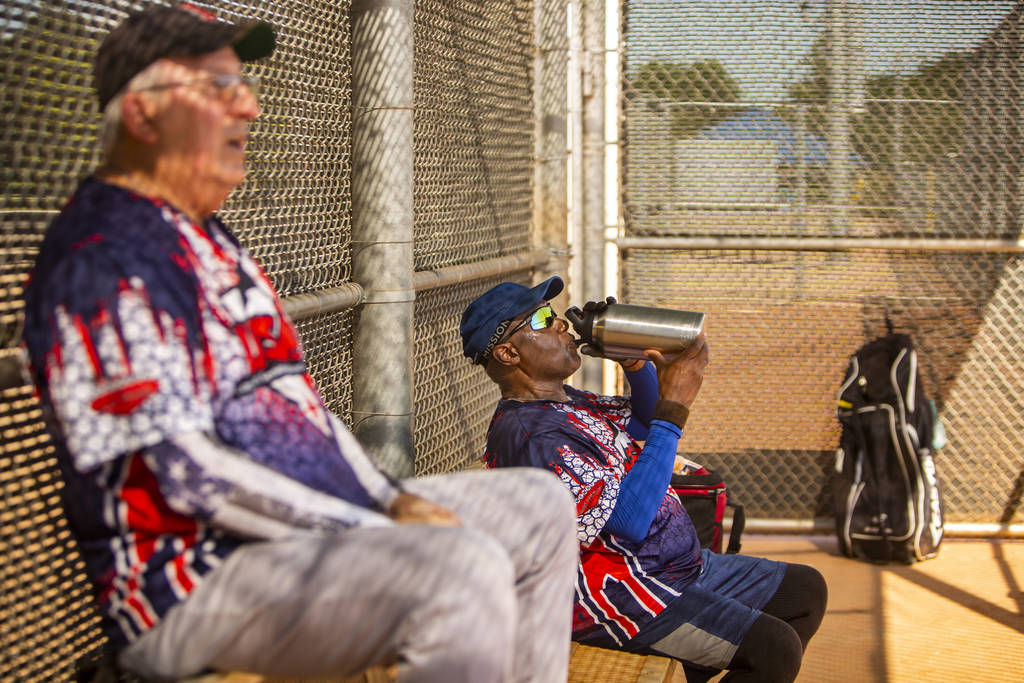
column 142, row 326
column 621, row 585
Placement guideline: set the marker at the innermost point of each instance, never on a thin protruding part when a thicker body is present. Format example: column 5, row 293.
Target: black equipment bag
column 888, row 501
column 703, row 494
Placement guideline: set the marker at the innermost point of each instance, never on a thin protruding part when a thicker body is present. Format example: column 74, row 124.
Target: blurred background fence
column 741, row 127
column 800, row 171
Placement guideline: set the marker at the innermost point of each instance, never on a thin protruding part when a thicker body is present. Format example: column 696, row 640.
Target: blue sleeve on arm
column 643, row 488
column 643, row 389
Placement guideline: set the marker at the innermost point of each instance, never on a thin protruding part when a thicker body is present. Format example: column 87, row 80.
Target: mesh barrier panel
column 293, row 212
column 326, row 341
column 473, row 124
column 833, row 120
column 46, row 615
column 454, row 399
column 473, row 130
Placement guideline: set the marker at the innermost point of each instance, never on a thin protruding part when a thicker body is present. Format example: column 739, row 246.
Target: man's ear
column 506, row 354
column 138, row 114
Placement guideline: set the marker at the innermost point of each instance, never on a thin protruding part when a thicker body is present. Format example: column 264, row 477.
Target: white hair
column 110, row 128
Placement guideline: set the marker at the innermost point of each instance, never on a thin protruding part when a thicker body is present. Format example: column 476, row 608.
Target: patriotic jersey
column 620, row 585
column 142, row 326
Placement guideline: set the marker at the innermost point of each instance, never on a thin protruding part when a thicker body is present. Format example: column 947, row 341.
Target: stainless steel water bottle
column 622, row 331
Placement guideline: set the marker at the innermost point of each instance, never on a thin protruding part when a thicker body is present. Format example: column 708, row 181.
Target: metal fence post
column 839, row 148
column 591, row 252
column 382, row 229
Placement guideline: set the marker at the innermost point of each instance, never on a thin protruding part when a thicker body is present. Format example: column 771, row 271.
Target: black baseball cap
column 182, row 30
column 487, row 318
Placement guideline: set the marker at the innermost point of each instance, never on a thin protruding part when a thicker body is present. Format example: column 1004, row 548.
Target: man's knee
column 771, row 651
column 537, row 496
column 817, row 588
column 555, row 511
column 560, row 499
column 548, row 496
column 482, row 575
column 800, row 600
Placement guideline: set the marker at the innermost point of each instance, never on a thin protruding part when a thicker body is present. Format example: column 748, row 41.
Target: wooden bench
column 586, row 665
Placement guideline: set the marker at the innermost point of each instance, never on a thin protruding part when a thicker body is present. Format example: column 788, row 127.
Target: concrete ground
column 957, row 617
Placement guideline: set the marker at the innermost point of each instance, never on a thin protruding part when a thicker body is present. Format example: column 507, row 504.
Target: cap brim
column 545, row 291
column 255, row 41
column 549, row 289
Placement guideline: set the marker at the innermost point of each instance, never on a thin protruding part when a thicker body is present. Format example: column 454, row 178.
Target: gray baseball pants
column 488, row 601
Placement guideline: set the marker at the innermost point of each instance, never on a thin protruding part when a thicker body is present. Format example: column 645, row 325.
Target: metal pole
column 826, row 525
column 340, row 298
column 350, row 295
column 575, row 85
column 592, row 204
column 839, row 116
column 424, row 280
column 382, row 215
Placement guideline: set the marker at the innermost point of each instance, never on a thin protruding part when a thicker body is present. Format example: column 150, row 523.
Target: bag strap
column 877, row 466
column 739, row 521
column 709, row 480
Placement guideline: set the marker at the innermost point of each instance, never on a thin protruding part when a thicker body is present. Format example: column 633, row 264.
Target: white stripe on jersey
column 581, row 600
column 636, row 570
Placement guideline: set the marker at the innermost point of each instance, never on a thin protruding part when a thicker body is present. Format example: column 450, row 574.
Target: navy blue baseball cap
column 487, row 318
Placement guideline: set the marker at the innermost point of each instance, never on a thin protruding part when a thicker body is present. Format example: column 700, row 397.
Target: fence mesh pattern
column 473, row 137
column 860, row 120
column 454, row 399
column 46, row 615
column 473, row 123
column 293, row 212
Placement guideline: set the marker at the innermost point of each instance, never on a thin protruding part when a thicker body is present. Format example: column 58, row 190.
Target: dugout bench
column 48, row 626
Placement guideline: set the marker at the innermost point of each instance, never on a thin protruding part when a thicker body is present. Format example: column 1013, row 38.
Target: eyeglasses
column 226, row 86
column 541, row 319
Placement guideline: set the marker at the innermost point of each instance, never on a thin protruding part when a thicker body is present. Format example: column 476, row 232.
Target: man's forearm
column 200, row 477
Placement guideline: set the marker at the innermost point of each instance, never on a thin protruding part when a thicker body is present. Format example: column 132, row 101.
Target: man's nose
column 245, row 105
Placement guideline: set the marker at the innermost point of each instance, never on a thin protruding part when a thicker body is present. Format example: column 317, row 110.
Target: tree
column 678, row 86
column 931, row 128
column 908, row 117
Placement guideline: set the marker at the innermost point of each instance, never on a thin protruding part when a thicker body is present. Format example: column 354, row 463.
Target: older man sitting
column 227, row 519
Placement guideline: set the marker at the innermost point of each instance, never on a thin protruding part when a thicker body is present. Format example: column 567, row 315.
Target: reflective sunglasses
column 541, row 319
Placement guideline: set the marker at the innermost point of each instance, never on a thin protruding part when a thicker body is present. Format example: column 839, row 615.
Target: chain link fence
column 454, row 399
column 768, row 122
column 472, row 200
column 473, row 130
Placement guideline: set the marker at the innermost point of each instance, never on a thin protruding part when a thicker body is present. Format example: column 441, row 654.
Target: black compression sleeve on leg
column 800, row 600
column 698, row 674
column 771, row 652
